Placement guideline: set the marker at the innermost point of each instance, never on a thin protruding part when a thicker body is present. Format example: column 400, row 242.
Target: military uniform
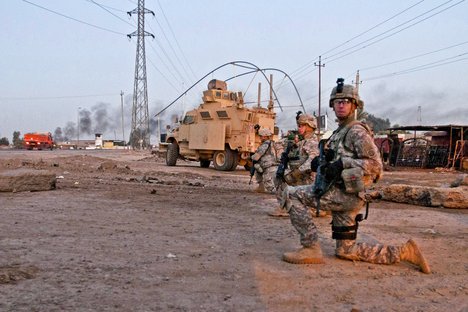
column 356, row 148
column 300, row 158
column 266, row 162
column 356, row 164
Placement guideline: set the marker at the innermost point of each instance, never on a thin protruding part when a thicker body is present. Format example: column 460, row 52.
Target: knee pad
column 344, row 232
column 347, row 232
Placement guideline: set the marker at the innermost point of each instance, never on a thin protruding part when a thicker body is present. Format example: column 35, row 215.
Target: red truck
column 39, row 140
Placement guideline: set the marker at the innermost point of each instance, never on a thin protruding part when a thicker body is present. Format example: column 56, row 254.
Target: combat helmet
column 265, row 132
column 342, row 91
column 306, row 119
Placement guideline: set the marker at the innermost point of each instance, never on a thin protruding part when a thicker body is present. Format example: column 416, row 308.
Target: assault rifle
column 284, row 160
column 252, row 171
column 321, row 183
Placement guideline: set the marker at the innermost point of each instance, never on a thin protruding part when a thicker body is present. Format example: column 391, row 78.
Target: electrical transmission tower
column 140, row 134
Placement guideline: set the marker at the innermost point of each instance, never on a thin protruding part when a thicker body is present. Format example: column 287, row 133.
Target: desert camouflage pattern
column 306, row 150
column 265, row 154
column 307, row 120
column 348, row 92
column 356, row 149
column 301, row 155
column 266, row 157
column 268, row 178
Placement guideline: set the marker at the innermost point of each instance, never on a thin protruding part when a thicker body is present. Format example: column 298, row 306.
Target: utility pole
column 270, row 102
column 357, row 82
column 419, row 115
column 121, row 105
column 319, row 120
column 140, row 135
column 259, row 95
column 78, row 127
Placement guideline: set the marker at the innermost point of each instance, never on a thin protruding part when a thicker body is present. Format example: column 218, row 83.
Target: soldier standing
column 304, row 148
column 265, row 162
column 354, row 164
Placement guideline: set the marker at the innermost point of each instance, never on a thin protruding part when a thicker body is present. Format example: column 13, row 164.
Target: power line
column 164, row 76
column 310, row 63
column 161, row 59
column 392, row 34
column 340, row 55
column 167, row 56
column 55, row 97
column 172, row 48
column 373, row 27
column 164, row 63
column 106, row 6
column 422, row 67
column 176, row 41
column 105, row 9
column 74, row 19
column 414, row 57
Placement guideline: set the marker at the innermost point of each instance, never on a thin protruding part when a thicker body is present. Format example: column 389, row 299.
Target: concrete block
column 21, row 180
column 456, row 197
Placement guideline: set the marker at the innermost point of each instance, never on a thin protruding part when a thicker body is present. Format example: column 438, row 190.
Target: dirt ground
column 124, row 232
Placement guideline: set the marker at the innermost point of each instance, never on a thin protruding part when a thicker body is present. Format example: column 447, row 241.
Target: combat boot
column 279, row 213
column 260, row 188
column 410, row 252
column 305, row 255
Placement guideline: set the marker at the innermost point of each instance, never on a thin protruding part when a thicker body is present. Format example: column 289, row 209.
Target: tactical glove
column 296, row 173
column 329, row 154
column 333, row 170
column 315, row 164
column 292, row 176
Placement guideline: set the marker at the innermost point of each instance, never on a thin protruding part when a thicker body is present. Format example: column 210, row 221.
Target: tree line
column 17, row 140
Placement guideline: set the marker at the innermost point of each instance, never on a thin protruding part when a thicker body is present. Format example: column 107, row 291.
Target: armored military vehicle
column 221, row 130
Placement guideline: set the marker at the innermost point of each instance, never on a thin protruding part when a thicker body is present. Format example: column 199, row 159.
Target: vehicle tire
column 224, row 160
column 172, row 154
column 235, row 161
column 205, row 163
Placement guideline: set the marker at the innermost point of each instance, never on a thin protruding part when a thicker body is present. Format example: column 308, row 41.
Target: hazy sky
column 62, row 61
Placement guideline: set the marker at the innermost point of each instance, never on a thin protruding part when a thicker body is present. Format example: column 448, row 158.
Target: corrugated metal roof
column 428, row 128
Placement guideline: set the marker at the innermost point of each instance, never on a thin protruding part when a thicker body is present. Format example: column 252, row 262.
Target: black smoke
column 401, row 106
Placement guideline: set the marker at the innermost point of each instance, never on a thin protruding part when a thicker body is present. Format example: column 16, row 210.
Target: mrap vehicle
column 221, row 130
column 39, row 140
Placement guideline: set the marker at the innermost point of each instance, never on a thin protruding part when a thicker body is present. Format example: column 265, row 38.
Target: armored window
column 249, row 117
column 188, row 119
column 222, row 114
column 205, row 115
column 218, row 94
column 226, row 95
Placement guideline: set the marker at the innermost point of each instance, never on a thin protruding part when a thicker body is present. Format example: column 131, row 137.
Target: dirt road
column 124, row 232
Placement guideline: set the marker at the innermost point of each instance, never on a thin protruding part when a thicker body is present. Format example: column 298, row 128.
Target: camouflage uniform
column 265, row 157
column 356, row 148
column 300, row 158
column 354, row 165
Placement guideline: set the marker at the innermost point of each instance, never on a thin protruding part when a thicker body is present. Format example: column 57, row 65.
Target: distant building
column 425, row 146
